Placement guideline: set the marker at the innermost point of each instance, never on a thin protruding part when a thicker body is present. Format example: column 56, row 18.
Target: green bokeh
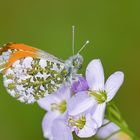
column 113, row 28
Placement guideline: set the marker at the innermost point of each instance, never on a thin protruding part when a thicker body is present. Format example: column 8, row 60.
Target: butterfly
column 30, row 73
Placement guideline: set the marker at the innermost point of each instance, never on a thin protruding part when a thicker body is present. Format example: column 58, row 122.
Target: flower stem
column 113, row 114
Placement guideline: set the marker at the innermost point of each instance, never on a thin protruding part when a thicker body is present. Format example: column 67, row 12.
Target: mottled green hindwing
column 30, row 79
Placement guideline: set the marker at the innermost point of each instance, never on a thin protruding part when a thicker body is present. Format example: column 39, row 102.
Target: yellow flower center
column 100, row 96
column 79, row 123
column 61, row 107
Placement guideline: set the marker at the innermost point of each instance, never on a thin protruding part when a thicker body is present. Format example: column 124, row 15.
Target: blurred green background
column 113, row 28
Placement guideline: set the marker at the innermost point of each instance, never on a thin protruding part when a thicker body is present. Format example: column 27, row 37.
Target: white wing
column 29, row 73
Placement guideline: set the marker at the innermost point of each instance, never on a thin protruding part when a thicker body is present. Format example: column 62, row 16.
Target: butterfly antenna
column 73, row 33
column 85, row 45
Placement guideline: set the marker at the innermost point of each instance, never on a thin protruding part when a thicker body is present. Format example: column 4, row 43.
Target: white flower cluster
column 80, row 108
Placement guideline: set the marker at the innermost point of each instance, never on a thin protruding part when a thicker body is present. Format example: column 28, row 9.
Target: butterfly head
column 76, row 61
column 73, row 64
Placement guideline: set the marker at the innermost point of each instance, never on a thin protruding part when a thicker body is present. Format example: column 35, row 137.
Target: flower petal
column 95, row 75
column 47, row 124
column 89, row 129
column 107, row 130
column 46, row 102
column 98, row 114
column 80, row 103
column 64, row 93
column 61, row 131
column 113, row 84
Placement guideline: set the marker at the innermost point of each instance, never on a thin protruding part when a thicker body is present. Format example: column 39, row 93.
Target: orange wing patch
column 18, row 51
column 21, row 47
column 18, row 55
column 17, row 46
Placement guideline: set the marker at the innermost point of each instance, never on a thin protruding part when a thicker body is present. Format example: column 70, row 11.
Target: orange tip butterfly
column 30, row 74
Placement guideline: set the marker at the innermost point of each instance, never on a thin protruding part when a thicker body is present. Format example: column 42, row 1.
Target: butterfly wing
column 29, row 73
column 11, row 52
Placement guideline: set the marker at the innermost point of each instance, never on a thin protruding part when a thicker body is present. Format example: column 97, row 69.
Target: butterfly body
column 30, row 74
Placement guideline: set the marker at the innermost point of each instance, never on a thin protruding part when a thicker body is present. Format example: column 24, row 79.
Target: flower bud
column 80, row 85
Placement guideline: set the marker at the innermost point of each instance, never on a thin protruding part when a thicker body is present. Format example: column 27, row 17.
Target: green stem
column 113, row 115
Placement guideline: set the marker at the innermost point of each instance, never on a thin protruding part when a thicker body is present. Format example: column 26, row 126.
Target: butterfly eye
column 77, row 63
